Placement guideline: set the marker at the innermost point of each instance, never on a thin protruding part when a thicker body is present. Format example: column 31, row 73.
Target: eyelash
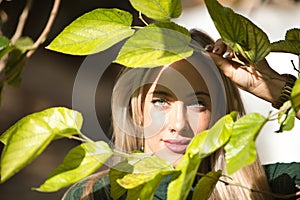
column 155, row 102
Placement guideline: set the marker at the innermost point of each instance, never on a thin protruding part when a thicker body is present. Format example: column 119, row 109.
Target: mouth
column 176, row 145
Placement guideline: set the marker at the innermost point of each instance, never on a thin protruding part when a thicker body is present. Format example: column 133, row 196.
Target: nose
column 178, row 117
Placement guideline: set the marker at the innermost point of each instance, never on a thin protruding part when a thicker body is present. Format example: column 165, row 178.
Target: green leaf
column 24, row 44
column 118, row 172
column 238, row 32
column 293, row 34
column 93, row 32
column 26, row 139
column 159, row 10
column 295, row 95
column 241, row 150
column 79, row 163
column 291, row 44
column 147, row 174
column 286, row 119
column 4, row 42
column 201, row 146
column 156, row 45
column 14, row 67
column 206, row 185
column 287, row 46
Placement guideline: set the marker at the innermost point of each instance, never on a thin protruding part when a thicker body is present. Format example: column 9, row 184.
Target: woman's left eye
column 160, row 102
column 198, row 106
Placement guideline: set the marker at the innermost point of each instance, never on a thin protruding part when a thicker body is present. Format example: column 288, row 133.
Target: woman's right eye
column 160, row 102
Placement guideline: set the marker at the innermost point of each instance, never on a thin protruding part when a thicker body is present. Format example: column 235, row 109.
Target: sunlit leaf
column 93, row 32
column 79, row 163
column 238, row 32
column 146, row 176
column 286, row 119
column 26, row 139
column 241, row 150
column 201, row 146
column 4, row 42
column 158, row 9
column 156, row 45
column 118, row 172
column 295, row 95
column 206, row 185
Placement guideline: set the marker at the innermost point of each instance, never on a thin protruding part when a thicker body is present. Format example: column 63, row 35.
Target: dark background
column 47, row 81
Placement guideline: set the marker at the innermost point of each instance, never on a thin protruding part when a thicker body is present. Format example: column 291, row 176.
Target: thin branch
column 22, row 20
column 48, row 26
column 142, row 19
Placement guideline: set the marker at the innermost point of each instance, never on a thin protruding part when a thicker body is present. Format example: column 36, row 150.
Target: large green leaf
column 201, row 146
column 295, row 95
column 238, row 32
column 293, row 34
column 93, row 32
column 26, row 139
column 156, row 45
column 241, row 150
column 79, row 163
column 206, row 185
column 160, row 10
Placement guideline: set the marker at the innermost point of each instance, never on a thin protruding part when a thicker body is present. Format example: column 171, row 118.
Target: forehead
column 182, row 79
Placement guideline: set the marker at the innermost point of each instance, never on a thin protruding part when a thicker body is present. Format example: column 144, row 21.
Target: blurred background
column 48, row 77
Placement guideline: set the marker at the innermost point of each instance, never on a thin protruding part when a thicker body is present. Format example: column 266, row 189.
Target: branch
column 48, row 26
column 22, row 21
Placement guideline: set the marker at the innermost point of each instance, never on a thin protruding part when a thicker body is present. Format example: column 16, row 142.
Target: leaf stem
column 48, row 26
column 142, row 19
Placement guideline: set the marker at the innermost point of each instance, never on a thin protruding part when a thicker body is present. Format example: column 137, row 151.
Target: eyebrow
column 160, row 92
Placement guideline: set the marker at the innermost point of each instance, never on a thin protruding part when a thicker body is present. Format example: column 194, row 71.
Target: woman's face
column 176, row 108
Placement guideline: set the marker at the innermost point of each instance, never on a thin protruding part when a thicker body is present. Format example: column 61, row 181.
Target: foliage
column 158, row 43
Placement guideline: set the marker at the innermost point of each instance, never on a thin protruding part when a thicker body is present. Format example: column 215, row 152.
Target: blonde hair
column 252, row 176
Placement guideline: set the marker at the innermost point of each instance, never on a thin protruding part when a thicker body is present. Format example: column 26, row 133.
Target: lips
column 177, row 145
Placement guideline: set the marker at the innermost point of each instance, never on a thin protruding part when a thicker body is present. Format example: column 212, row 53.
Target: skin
column 176, row 108
column 264, row 83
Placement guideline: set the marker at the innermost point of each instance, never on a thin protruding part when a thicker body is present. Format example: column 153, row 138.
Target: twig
column 44, row 34
column 297, row 70
column 22, row 21
column 142, row 19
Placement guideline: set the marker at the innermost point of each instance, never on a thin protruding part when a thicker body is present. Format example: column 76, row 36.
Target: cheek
column 199, row 121
column 154, row 121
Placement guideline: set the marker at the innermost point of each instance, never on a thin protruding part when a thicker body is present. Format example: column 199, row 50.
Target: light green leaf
column 156, row 45
column 295, row 95
column 24, row 44
column 286, row 119
column 160, row 10
column 147, row 174
column 26, row 139
column 241, row 150
column 206, row 185
column 238, row 32
column 79, row 163
column 93, row 32
column 287, row 46
column 118, row 172
column 201, row 146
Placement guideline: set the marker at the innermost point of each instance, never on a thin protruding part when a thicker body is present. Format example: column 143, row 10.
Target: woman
column 160, row 110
